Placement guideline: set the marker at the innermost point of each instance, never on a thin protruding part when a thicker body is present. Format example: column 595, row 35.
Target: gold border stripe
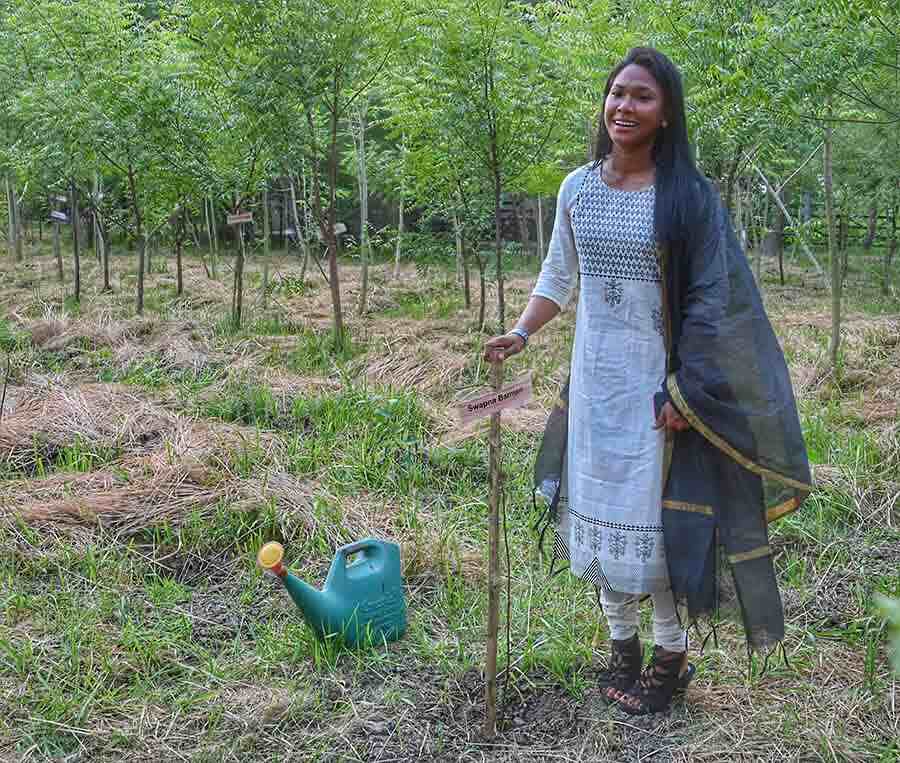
column 782, row 509
column 697, row 508
column 721, row 444
column 746, row 556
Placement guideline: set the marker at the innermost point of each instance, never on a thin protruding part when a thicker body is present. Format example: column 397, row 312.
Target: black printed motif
column 658, row 320
column 617, row 544
column 579, row 533
column 613, row 295
column 644, row 547
column 596, row 539
column 614, row 232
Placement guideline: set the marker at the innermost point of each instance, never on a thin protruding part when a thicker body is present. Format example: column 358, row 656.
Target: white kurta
column 609, row 524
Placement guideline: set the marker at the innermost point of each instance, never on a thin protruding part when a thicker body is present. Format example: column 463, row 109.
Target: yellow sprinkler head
column 270, row 555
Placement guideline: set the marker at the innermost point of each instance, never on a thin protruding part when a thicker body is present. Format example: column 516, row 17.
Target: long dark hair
column 681, row 191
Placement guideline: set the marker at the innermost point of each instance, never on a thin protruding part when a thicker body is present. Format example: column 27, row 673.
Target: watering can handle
column 353, row 548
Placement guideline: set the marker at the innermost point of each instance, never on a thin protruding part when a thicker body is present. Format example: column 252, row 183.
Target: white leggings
column 621, row 610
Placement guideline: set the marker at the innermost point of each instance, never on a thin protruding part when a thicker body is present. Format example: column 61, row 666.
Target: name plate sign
column 511, row 396
column 239, row 218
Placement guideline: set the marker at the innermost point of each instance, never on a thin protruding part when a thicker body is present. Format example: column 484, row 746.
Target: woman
column 676, row 438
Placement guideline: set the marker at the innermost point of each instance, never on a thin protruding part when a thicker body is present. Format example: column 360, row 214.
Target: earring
column 664, row 123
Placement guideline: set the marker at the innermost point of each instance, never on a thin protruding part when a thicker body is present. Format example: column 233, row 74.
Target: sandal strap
column 657, row 682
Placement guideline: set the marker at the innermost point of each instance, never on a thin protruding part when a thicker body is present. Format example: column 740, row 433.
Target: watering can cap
column 270, row 555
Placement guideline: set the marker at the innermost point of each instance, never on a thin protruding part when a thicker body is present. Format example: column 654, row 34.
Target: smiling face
column 634, row 109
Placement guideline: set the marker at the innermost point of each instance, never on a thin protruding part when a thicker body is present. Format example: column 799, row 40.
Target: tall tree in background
column 488, row 82
column 313, row 62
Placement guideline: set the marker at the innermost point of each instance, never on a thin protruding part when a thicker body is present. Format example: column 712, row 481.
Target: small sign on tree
column 339, row 230
column 239, row 218
column 59, row 217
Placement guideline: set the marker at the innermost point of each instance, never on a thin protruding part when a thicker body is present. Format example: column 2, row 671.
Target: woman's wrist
column 522, row 334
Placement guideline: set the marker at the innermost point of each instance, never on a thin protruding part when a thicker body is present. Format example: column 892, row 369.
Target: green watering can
column 362, row 600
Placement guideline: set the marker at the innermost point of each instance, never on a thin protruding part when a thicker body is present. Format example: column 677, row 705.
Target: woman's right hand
column 502, row 347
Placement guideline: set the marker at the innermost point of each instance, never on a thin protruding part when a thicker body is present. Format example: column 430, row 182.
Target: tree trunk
column 542, row 246
column 267, row 234
column 326, row 222
column 779, row 233
column 20, row 237
column 872, row 225
column 15, row 234
column 99, row 239
column 832, row 253
column 889, row 252
column 237, row 295
column 458, row 240
column 76, row 253
column 301, row 237
column 399, row 238
column 180, row 232
column 363, row 182
column 483, row 285
column 195, row 231
column 763, row 242
column 209, row 212
column 11, row 218
column 329, row 232
column 521, row 223
column 57, row 253
column 730, row 178
column 498, row 244
column 467, row 290
column 139, row 233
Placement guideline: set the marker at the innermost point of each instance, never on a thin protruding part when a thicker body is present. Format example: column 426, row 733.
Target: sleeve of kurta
column 559, row 272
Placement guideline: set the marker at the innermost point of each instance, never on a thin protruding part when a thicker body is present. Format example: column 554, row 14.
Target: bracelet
column 521, row 333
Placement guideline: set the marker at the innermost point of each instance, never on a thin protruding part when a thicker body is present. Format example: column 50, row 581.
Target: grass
column 171, row 645
column 426, row 305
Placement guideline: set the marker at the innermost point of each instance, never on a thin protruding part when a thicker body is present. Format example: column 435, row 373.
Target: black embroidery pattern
column 596, row 539
column 658, row 320
column 616, row 525
column 618, row 543
column 614, row 232
column 613, row 294
column 644, row 547
column 579, row 533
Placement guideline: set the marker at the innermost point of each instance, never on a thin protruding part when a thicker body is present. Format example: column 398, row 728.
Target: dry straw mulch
column 179, row 345
column 47, row 418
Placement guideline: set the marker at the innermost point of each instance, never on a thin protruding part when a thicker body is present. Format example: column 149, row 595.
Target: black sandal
column 623, row 669
column 652, row 692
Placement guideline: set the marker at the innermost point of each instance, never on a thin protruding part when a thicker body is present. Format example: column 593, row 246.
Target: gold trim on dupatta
column 782, row 509
column 746, row 556
column 721, row 444
column 696, row 508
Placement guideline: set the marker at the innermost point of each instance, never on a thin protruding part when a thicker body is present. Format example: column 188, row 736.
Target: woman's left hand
column 671, row 420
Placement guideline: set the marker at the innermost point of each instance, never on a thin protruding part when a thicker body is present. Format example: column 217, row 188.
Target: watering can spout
column 309, row 601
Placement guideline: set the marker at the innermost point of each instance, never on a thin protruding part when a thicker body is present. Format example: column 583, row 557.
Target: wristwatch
column 522, row 333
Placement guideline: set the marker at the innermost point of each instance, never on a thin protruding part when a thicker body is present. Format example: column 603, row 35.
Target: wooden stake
column 490, row 668
column 267, row 234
